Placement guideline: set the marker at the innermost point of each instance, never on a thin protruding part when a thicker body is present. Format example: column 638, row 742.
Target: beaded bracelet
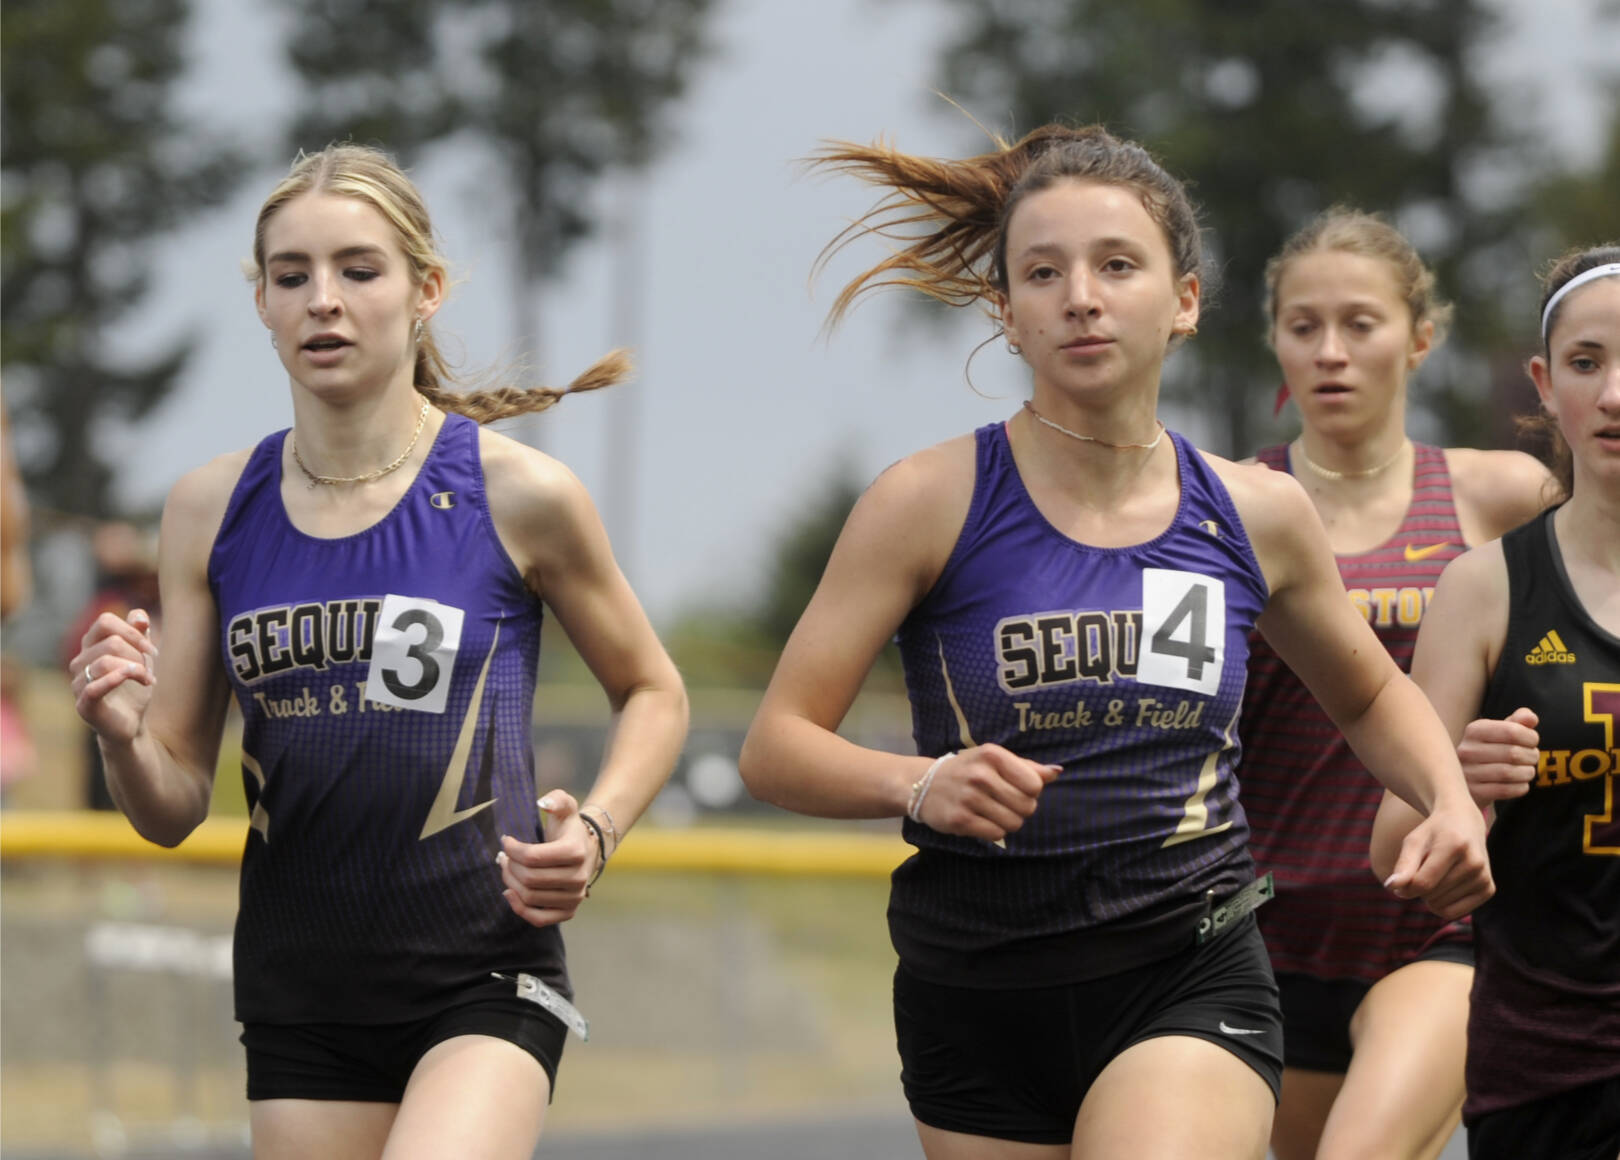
column 919, row 789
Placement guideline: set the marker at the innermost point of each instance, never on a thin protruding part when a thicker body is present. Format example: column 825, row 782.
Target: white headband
column 1579, row 280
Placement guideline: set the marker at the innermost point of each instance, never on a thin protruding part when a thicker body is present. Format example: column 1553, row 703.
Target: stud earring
column 273, row 345
column 1014, row 348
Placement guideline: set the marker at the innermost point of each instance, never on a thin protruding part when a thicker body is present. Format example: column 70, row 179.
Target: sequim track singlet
column 1125, row 666
column 386, row 682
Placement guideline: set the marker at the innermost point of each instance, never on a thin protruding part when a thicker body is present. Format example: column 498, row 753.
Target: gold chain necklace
column 1364, row 473
column 333, row 480
column 1040, row 418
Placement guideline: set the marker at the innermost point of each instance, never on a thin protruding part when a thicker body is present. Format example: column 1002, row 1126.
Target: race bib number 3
column 1183, row 630
column 414, row 653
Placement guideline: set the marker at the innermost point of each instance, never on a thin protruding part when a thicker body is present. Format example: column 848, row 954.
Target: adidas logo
column 1550, row 650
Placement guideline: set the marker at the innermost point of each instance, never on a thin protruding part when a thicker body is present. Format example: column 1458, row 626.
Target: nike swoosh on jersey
column 1415, row 553
column 1227, row 1029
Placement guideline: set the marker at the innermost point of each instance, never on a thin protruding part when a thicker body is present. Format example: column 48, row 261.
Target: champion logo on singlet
column 1550, row 650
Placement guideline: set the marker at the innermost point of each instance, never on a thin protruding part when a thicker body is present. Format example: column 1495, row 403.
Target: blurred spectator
column 126, row 578
column 16, row 586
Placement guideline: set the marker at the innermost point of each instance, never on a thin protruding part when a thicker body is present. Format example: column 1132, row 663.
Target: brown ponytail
column 488, row 406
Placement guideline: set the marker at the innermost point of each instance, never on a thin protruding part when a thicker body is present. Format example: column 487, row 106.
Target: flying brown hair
column 946, row 220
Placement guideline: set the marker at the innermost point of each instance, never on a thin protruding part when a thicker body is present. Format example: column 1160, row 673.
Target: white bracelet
column 919, row 789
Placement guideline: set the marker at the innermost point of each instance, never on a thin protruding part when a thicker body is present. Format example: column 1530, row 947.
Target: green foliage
column 801, row 555
column 722, row 648
column 95, row 162
column 739, row 646
column 1274, row 110
column 559, row 92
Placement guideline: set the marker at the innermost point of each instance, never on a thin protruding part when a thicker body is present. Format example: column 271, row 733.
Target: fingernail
column 1389, row 882
column 544, row 803
column 500, row 858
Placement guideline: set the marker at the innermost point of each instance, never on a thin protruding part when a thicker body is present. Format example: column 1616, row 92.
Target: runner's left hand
column 1443, row 861
column 546, row 881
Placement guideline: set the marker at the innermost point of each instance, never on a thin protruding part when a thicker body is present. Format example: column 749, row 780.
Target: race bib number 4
column 414, row 653
column 1183, row 630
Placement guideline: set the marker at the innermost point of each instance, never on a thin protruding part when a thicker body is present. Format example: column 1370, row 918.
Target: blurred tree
column 94, row 161
column 559, row 93
column 800, row 554
column 1583, row 208
column 739, row 646
column 1273, row 110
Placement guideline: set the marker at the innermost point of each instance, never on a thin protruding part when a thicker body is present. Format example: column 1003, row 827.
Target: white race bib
column 1183, row 630
column 413, row 654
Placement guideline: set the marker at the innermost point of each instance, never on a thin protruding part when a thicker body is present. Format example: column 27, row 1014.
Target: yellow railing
column 83, row 834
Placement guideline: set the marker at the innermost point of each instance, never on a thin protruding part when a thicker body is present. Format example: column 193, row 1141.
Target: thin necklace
column 333, row 480
column 1364, row 473
column 1040, row 418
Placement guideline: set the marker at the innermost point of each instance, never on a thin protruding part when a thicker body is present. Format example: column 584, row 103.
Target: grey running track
column 877, row 1138
column 868, row 1138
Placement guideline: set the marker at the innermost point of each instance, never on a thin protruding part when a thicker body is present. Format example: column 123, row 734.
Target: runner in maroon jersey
column 1527, row 631
column 1374, row 989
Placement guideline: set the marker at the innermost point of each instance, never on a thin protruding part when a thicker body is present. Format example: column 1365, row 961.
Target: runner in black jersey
column 368, row 586
column 1073, row 590
column 1374, row 988
column 1525, row 631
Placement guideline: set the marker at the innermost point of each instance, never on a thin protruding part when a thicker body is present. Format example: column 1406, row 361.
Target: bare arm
column 1496, row 491
column 1383, row 716
column 160, row 738
column 1457, row 648
column 545, row 517
column 889, row 555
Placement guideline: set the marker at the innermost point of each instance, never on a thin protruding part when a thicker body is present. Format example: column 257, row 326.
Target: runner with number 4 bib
column 367, row 586
column 1073, row 591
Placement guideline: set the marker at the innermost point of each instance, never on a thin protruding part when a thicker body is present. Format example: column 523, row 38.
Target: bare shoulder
column 542, row 514
column 1496, row 491
column 524, row 484
column 917, row 506
column 196, row 505
column 1263, row 497
column 1468, row 613
column 906, row 524
column 1479, row 574
column 1282, row 524
column 937, row 478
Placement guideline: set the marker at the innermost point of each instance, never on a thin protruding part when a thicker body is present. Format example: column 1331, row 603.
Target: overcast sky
column 741, row 412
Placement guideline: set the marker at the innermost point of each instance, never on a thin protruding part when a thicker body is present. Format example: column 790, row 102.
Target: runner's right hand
column 113, row 674
column 985, row 792
column 1500, row 758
